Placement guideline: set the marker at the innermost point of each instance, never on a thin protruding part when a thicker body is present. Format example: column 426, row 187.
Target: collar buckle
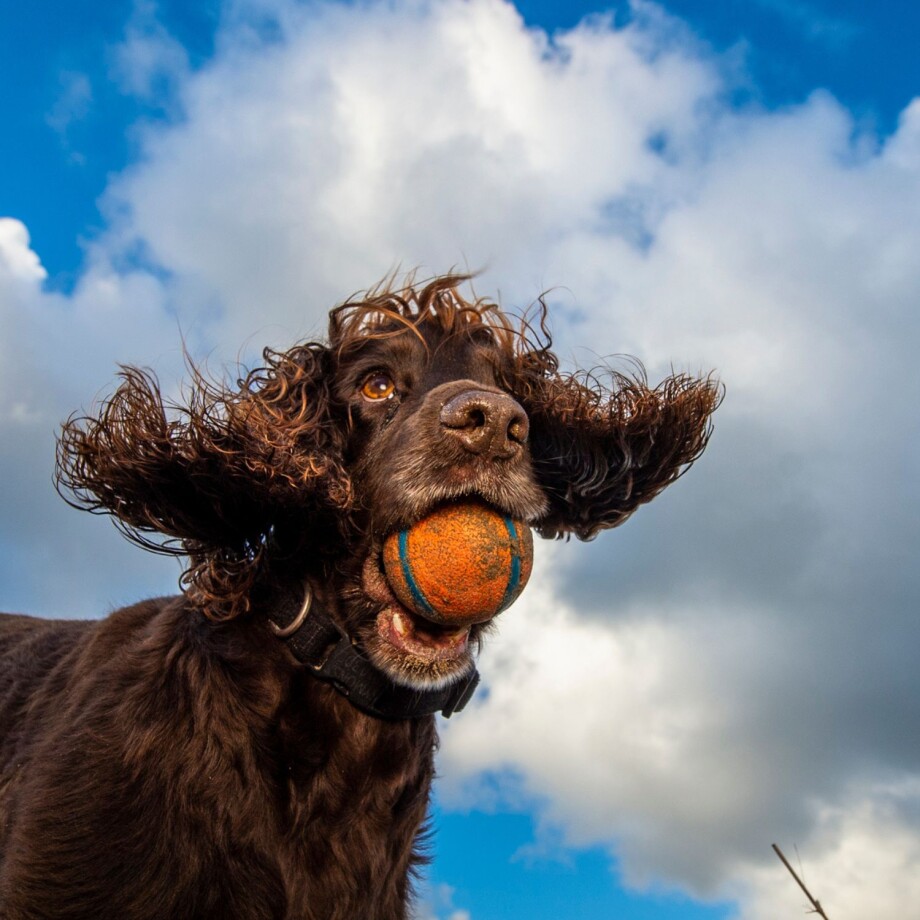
column 285, row 632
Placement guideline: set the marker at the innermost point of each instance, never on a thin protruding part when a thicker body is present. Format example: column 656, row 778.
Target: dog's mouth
column 414, row 650
column 424, row 628
column 417, row 636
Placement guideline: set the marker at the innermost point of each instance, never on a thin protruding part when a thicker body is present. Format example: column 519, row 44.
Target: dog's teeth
column 400, row 624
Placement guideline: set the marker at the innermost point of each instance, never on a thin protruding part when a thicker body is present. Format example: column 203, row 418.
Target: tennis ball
column 463, row 563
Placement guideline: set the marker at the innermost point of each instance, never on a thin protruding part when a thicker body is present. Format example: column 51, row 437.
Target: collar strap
column 330, row 656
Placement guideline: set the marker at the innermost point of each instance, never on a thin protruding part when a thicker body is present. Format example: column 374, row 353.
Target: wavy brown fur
column 174, row 759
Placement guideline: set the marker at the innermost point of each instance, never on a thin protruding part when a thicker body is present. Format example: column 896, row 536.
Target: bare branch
column 815, row 903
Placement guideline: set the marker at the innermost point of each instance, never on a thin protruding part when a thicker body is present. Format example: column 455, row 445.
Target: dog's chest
column 352, row 803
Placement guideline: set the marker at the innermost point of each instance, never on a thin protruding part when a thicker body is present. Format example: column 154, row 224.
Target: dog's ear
column 603, row 444
column 215, row 476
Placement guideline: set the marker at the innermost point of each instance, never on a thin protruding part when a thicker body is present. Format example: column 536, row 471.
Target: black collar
column 329, row 655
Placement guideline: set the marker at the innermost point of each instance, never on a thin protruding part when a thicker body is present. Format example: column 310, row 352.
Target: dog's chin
column 413, row 651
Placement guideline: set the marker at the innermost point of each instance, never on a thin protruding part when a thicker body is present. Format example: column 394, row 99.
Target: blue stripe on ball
column 416, row 592
column 515, row 578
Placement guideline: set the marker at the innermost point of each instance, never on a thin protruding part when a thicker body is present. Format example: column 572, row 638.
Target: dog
column 261, row 746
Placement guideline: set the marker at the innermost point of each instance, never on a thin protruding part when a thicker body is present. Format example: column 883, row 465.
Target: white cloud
column 626, row 730
column 71, row 106
column 149, row 63
column 748, row 651
column 18, row 263
column 434, row 133
column 869, row 863
column 55, row 353
column 436, row 902
column 735, row 665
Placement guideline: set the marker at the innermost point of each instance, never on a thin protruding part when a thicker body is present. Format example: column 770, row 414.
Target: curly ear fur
column 603, row 449
column 218, row 475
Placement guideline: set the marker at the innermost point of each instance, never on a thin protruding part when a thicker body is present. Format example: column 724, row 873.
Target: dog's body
column 178, row 759
column 162, row 768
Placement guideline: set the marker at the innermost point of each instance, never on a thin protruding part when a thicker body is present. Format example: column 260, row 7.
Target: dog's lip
column 416, row 636
column 454, row 497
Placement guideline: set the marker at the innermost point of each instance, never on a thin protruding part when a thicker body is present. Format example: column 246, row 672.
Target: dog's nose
column 491, row 424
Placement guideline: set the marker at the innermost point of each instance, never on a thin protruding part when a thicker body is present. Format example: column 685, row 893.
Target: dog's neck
column 298, row 619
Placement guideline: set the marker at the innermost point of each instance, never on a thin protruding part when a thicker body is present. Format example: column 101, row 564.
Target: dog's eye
column 378, row 386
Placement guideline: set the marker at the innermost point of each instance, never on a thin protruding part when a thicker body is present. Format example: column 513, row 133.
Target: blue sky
column 709, row 184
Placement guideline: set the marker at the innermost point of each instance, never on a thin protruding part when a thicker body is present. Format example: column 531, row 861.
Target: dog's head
column 417, row 397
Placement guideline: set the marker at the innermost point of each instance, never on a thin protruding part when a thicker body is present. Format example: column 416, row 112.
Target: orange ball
column 463, row 563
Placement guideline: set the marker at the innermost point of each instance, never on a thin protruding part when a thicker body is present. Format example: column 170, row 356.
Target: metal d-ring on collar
column 284, row 632
column 331, row 656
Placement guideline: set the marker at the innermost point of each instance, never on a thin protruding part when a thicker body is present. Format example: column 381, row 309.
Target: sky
column 701, row 185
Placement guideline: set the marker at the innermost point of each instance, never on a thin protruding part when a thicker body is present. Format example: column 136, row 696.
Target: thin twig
column 815, row 903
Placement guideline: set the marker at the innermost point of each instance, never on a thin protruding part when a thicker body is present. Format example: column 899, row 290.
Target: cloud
column 72, row 105
column 55, row 352
column 729, row 663
column 326, row 160
column 149, row 63
column 18, row 263
column 869, row 864
column 436, row 902
column 735, row 665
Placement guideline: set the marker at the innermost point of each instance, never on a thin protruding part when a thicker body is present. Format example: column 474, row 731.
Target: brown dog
column 261, row 746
